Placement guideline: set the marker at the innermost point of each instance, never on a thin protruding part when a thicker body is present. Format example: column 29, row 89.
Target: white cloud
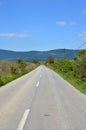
column 82, row 35
column 64, row 23
column 83, row 11
column 61, row 23
column 13, row 35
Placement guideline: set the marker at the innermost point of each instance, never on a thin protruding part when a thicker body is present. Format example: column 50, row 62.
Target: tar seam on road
column 23, row 120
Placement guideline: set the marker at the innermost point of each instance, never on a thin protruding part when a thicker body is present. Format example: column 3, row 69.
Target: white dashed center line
column 23, row 120
column 37, row 84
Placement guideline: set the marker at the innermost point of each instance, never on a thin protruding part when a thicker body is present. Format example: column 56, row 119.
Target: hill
column 38, row 55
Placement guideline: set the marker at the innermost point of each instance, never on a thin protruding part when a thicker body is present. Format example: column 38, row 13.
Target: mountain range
column 37, row 55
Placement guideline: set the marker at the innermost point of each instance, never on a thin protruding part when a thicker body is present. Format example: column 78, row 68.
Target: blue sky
column 42, row 24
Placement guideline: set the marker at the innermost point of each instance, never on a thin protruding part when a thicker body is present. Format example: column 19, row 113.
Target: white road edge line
column 37, row 84
column 23, row 120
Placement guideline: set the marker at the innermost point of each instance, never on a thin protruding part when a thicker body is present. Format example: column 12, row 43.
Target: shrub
column 64, row 65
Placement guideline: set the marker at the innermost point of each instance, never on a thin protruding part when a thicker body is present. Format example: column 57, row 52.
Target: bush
column 49, row 60
column 64, row 65
column 12, row 70
column 79, row 64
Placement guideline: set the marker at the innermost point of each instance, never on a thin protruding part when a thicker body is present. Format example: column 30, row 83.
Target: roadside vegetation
column 12, row 70
column 74, row 71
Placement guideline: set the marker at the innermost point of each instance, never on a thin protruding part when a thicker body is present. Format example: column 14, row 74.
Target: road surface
column 41, row 100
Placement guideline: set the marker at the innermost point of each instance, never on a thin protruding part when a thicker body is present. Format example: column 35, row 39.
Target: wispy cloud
column 61, row 23
column 64, row 23
column 83, row 11
column 82, row 35
column 13, row 35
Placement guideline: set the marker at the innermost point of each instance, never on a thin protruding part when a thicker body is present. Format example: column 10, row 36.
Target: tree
column 80, row 64
column 21, row 64
column 64, row 65
column 49, row 60
column 35, row 61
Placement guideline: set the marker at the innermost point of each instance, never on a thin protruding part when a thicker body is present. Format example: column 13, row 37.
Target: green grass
column 77, row 82
column 6, row 78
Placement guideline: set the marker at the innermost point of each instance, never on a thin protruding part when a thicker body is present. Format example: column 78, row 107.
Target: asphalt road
column 41, row 100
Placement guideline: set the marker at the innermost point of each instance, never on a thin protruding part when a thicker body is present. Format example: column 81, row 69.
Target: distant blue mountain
column 37, row 55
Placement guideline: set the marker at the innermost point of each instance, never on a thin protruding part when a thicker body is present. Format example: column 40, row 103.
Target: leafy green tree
column 21, row 64
column 35, row 61
column 79, row 64
column 64, row 65
column 49, row 60
column 82, row 53
column 14, row 68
